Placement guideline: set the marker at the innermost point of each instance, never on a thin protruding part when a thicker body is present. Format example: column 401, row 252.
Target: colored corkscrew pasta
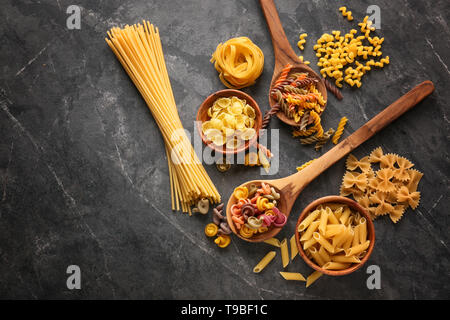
column 256, row 210
column 239, row 62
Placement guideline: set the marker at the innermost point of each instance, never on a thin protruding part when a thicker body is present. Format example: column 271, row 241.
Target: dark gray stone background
column 84, row 177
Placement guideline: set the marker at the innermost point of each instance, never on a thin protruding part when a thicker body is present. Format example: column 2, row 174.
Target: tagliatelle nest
column 387, row 191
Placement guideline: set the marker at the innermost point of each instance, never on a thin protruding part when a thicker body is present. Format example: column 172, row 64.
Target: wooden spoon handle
column 381, row 120
column 281, row 47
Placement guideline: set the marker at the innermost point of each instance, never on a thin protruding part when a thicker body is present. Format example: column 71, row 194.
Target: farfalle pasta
column 256, row 210
column 390, row 190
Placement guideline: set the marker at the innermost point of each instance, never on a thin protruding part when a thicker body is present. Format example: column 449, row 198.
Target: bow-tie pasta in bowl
column 229, row 120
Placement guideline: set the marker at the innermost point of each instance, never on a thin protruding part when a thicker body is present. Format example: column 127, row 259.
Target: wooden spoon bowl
column 284, row 54
column 355, row 207
column 291, row 186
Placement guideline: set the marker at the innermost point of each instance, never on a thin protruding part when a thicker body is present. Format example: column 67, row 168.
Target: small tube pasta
column 342, row 258
column 324, row 242
column 335, row 266
column 362, row 230
column 273, row 241
column 264, row 261
column 313, row 277
column 308, row 243
column 294, row 248
column 309, row 232
column 357, row 249
column 309, row 219
column 323, row 221
column 292, row 276
column 284, row 253
column 317, row 257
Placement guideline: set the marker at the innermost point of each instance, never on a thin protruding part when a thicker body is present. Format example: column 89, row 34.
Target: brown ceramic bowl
column 202, row 115
column 355, row 207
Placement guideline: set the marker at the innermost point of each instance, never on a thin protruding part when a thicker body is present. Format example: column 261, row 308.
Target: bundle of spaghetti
column 139, row 50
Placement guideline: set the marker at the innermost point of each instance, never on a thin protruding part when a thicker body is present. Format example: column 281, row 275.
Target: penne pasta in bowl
column 335, row 235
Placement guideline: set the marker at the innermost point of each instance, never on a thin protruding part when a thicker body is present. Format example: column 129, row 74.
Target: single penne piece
column 362, row 230
column 361, row 254
column 324, row 242
column 333, row 230
column 273, row 241
column 332, row 218
column 294, row 248
column 313, row 277
column 292, row 276
column 264, row 261
column 345, row 215
column 357, row 217
column 324, row 254
column 308, row 243
column 335, row 266
column 340, row 238
column 284, row 253
column 316, row 256
column 338, row 212
column 357, row 249
column 350, row 220
column 349, row 240
column 323, row 220
column 308, row 220
column 309, row 232
column 342, row 258
column 355, row 241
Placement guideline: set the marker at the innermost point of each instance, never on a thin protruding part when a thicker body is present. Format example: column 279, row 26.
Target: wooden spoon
column 284, row 54
column 291, row 186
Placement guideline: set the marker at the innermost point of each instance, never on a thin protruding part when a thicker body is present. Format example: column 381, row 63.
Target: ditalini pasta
column 264, row 261
column 139, row 50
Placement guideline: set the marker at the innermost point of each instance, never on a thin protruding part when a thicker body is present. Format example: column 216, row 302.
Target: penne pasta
column 323, row 242
column 357, row 249
column 342, row 258
column 335, row 266
column 362, row 230
column 313, row 278
column 335, row 238
column 292, row 276
column 294, row 248
column 317, row 257
column 284, row 253
column 308, row 220
column 309, row 243
column 309, row 232
column 264, row 261
column 323, row 221
column 273, row 241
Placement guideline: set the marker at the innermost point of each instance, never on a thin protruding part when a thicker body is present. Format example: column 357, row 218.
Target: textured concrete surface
column 83, row 175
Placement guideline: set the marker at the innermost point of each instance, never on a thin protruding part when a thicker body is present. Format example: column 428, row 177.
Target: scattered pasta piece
column 239, row 62
column 264, row 262
column 389, row 191
column 273, row 242
column 345, row 13
column 313, row 277
column 296, row 276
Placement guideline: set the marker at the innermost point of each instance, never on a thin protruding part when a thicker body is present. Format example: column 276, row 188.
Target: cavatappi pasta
column 334, row 236
column 139, row 50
